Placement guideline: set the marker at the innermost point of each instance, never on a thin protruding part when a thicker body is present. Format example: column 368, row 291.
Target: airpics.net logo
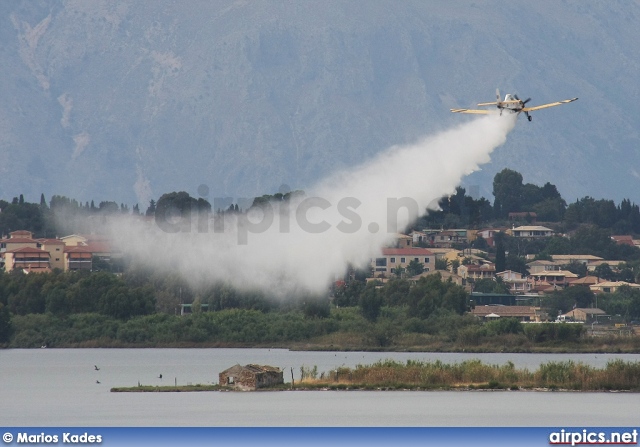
column 312, row 215
column 590, row 437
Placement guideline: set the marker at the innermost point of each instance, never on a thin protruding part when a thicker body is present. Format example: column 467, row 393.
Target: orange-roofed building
column 29, row 259
column 55, row 247
column 77, row 258
column 13, row 243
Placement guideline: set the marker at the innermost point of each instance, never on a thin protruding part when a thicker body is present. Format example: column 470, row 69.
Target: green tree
column 562, row 301
column 508, row 192
column 442, row 264
column 604, row 271
column 348, row 294
column 151, row 209
column 576, row 267
column 395, row 292
column 505, row 326
column 415, row 267
column 487, row 285
column 316, row 307
column 56, row 301
column 516, row 264
column 6, row 326
column 370, row 302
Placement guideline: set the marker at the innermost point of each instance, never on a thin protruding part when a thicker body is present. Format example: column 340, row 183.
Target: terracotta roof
column 611, row 263
column 531, row 228
column 409, row 251
column 628, row 240
column 98, row 247
column 577, row 257
column 587, row 280
column 614, row 284
column 22, row 232
column 27, row 250
column 78, row 249
column 50, row 241
column 588, row 311
column 555, row 273
column 542, row 262
column 19, row 240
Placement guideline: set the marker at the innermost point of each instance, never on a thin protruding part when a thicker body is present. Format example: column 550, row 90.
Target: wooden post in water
column 175, row 381
column 293, row 382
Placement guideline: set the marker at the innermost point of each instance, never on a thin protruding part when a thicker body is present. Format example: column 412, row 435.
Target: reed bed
column 389, row 374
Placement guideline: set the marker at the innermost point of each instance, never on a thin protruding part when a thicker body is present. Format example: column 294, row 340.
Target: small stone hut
column 251, row 377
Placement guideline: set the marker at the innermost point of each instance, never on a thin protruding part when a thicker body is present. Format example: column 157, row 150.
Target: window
column 426, row 260
column 381, row 262
column 393, row 260
column 403, row 260
column 416, row 259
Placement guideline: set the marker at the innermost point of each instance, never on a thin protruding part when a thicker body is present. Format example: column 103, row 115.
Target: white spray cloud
column 66, row 101
column 343, row 220
column 142, row 187
column 82, row 141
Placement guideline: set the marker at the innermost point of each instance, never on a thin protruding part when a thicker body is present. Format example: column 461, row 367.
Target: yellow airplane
column 513, row 104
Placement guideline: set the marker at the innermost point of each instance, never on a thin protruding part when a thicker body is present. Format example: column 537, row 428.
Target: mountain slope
column 125, row 101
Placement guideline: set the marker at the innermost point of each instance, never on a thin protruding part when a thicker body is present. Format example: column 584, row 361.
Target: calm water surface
column 58, row 387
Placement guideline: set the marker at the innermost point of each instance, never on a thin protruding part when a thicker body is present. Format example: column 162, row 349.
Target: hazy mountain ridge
column 125, row 101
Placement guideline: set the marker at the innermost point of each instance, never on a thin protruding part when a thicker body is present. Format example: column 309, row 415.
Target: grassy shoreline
column 414, row 375
column 603, row 348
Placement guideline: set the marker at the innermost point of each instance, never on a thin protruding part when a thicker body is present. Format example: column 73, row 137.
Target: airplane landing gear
column 529, row 117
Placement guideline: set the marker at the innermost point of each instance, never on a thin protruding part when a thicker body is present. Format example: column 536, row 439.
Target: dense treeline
column 142, row 307
column 457, row 211
column 62, row 294
column 61, row 216
column 511, row 196
column 102, row 309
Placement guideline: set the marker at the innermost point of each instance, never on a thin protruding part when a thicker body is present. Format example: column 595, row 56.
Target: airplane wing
column 551, row 104
column 480, row 112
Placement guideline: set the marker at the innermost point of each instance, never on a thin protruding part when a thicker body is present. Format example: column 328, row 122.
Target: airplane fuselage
column 513, row 104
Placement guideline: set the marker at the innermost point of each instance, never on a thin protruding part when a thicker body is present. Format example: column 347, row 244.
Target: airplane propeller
column 523, row 102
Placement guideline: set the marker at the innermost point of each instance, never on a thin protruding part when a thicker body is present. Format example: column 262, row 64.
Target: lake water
column 58, row 387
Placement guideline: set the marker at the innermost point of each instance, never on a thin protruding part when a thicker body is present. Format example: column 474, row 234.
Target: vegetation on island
column 123, row 304
column 617, row 375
